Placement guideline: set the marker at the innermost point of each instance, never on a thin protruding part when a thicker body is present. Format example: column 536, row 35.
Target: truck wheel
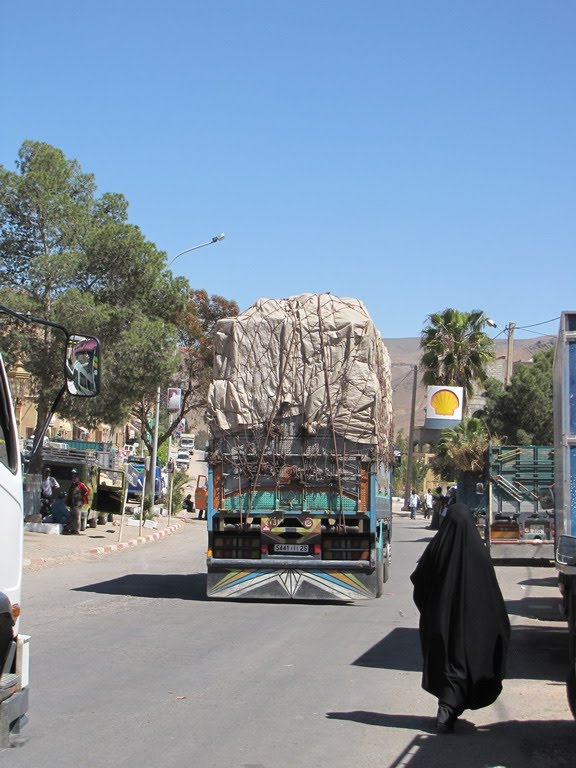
column 571, row 681
column 379, row 579
column 386, row 559
column 571, row 690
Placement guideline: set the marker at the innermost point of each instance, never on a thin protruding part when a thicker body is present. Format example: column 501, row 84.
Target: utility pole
column 152, row 492
column 510, row 352
column 410, row 452
column 409, row 458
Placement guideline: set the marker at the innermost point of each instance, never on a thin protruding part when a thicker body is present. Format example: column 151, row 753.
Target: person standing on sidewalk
column 437, row 504
column 414, row 503
column 78, row 496
column 427, row 504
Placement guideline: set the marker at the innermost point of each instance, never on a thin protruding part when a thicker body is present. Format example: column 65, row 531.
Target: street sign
column 174, row 399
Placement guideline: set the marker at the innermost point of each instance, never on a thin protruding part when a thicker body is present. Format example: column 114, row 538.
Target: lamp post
column 410, row 452
column 215, row 239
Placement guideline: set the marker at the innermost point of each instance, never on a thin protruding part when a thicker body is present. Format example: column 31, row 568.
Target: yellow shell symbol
column 444, row 402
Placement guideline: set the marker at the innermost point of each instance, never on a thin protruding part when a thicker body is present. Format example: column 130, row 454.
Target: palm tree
column 455, row 349
column 463, row 448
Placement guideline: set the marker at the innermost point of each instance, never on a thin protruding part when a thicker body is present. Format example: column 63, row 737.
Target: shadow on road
column 513, row 743
column 400, row 649
column 536, row 653
column 168, row 586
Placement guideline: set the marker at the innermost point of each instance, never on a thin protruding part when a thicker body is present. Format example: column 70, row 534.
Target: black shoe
column 445, row 720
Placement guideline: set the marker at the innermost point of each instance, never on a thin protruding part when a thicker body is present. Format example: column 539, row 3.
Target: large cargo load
column 300, row 412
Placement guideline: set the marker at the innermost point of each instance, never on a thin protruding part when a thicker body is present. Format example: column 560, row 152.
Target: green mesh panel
column 292, row 500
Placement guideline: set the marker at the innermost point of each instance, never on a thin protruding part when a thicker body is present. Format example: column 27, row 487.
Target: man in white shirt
column 414, row 503
column 427, row 504
column 49, row 484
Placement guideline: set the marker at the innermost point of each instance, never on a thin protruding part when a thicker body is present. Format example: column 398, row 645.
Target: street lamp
column 215, row 239
column 410, row 455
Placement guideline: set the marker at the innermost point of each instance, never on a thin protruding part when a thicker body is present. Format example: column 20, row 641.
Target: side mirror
column 83, row 366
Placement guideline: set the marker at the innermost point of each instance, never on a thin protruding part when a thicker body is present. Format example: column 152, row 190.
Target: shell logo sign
column 443, row 407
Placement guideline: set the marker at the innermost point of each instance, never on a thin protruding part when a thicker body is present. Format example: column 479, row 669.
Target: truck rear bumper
column 301, row 564
column 527, row 550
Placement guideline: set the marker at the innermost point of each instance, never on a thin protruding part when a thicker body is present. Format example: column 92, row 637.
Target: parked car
column 183, row 460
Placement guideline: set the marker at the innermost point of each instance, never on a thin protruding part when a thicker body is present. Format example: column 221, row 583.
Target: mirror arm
column 26, row 317
column 38, row 439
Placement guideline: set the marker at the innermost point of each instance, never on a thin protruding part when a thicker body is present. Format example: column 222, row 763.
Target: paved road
column 133, row 667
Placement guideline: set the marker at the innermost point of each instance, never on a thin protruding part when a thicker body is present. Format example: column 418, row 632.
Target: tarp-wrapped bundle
column 315, row 358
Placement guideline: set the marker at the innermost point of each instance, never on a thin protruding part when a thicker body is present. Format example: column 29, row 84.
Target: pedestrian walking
column 464, row 626
column 427, row 504
column 437, row 505
column 413, row 503
column 449, row 500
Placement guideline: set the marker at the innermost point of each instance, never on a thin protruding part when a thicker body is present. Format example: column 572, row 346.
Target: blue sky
column 413, row 154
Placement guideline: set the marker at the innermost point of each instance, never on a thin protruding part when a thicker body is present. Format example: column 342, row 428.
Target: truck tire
column 379, row 579
column 571, row 690
column 386, row 560
column 571, row 681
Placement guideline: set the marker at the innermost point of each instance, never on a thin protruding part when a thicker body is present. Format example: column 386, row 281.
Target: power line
column 524, row 327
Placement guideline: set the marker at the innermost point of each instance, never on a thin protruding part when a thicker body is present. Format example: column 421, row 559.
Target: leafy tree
column 521, row 413
column 196, row 325
column 455, row 349
column 69, row 256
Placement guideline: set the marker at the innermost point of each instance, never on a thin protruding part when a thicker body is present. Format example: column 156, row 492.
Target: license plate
column 300, row 549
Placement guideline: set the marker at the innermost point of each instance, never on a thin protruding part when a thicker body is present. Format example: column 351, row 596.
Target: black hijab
column 464, row 627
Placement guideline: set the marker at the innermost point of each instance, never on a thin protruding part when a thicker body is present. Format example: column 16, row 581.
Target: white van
column 187, row 443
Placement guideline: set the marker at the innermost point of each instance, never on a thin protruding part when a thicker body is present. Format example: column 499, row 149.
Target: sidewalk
column 42, row 549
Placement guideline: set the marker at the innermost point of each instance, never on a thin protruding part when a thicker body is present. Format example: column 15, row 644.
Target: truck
column 187, row 443
column 300, row 455
column 14, row 644
column 564, row 396
column 519, row 506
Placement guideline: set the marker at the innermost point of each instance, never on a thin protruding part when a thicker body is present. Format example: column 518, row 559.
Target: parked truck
column 14, row 645
column 565, row 482
column 300, row 411
column 519, row 505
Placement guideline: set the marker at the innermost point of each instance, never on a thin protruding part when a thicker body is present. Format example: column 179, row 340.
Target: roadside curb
column 106, row 549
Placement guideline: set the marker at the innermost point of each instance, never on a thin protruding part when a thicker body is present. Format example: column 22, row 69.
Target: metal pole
column 152, row 490
column 170, row 474
column 510, row 352
column 411, row 440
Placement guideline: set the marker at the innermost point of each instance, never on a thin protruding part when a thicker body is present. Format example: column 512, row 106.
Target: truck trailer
column 300, row 413
column 564, row 387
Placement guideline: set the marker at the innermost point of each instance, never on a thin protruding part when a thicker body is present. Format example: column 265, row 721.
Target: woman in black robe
column 464, row 626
